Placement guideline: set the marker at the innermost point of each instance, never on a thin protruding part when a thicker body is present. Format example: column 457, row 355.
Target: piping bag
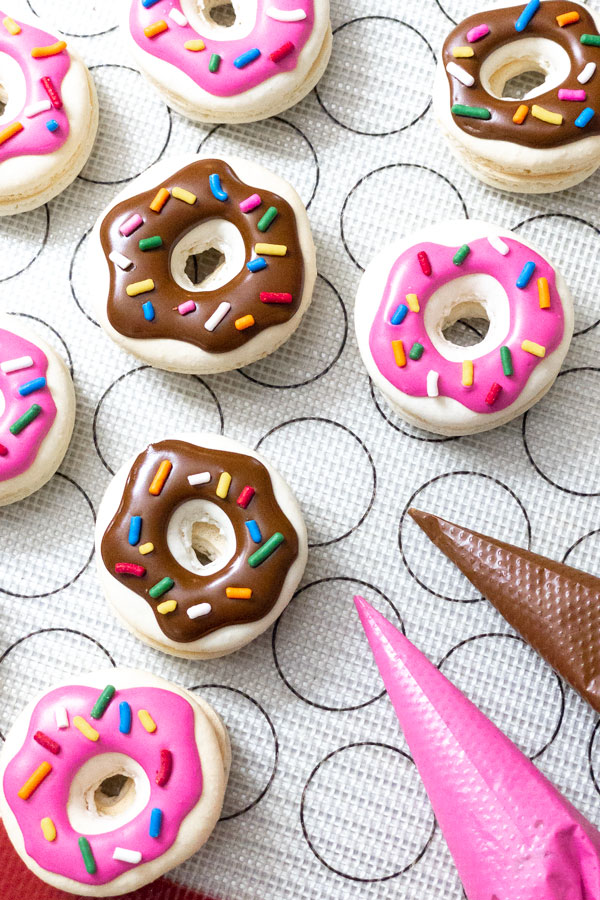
column 512, row 835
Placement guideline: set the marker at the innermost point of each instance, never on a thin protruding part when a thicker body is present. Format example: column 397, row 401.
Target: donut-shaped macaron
column 48, row 127
column 200, row 545
column 37, row 410
column 550, row 138
column 416, row 289
column 230, row 62
column 109, row 782
column 150, row 302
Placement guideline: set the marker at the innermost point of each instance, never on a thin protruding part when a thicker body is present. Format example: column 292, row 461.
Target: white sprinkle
column 119, row 260
column 62, row 717
column 201, row 609
column 286, row 15
column 15, row 365
column 218, row 316
column 200, row 478
column 178, row 17
column 587, row 73
column 498, row 244
column 460, row 74
column 128, row 856
column 432, row 384
column 34, row 109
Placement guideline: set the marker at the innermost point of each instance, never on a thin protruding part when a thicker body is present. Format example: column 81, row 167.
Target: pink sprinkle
column 579, row 96
column 282, row 52
column 475, row 34
column 131, row 225
column 184, row 308
column 250, row 203
column 130, row 569
column 246, row 496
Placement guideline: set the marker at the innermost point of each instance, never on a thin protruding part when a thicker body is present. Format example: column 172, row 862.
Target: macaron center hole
column 521, row 85
column 3, row 98
column 201, row 537
column 223, row 20
column 208, row 257
column 107, row 792
column 116, row 792
column 200, row 266
column 223, row 14
column 467, row 325
column 524, row 69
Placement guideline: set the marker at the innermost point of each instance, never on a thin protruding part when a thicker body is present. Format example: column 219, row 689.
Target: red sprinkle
column 46, row 742
column 130, row 569
column 166, row 767
column 246, row 496
column 3, row 450
column 268, row 297
column 282, row 52
column 52, row 92
column 493, row 394
column 424, row 261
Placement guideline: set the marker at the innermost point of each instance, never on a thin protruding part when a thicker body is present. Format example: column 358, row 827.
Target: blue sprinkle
column 124, row 718
column 149, row 3
column 255, row 265
column 246, row 58
column 527, row 15
column 585, row 117
column 400, row 314
column 135, row 530
column 254, row 530
column 525, row 276
column 217, row 191
column 52, row 125
column 148, row 311
column 155, row 822
column 36, row 385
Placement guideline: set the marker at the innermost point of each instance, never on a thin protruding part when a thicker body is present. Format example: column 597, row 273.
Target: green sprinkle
column 88, row 856
column 26, row 419
column 215, row 62
column 101, row 704
column 461, row 254
column 592, row 40
column 268, row 219
column 152, row 243
column 506, row 357
column 472, row 112
column 416, row 351
column 266, row 550
column 161, row 587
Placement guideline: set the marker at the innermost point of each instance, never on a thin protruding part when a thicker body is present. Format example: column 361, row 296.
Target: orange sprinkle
column 11, row 26
column 521, row 114
column 568, row 18
column 50, row 50
column 544, row 292
column 162, row 473
column 9, row 132
column 239, row 593
column 244, row 322
column 399, row 354
column 34, row 780
column 156, row 28
column 160, row 200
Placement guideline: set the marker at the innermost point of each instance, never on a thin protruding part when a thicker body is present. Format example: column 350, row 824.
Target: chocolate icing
column 533, row 132
column 266, row 580
column 554, row 607
column 282, row 275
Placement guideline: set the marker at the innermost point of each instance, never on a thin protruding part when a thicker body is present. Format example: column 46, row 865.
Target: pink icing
column 528, row 322
column 35, row 137
column 174, row 718
column 24, row 447
column 268, row 36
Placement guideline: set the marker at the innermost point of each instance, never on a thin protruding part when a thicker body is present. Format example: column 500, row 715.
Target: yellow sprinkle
column 544, row 292
column 167, row 607
column 194, row 46
column 34, row 780
column 11, row 26
column 147, row 720
column 162, row 473
column 462, row 52
column 48, row 829
column 140, row 287
column 160, row 200
column 186, row 196
column 156, row 28
column 51, row 50
column 244, row 322
column 146, row 548
column 239, row 593
column 85, row 728
column 413, row 302
column 270, row 249
column 532, row 347
column 9, row 132
column 521, row 114
column 546, row 116
column 223, row 485
column 399, row 354
column 467, row 373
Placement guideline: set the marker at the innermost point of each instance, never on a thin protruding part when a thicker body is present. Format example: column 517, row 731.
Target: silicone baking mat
column 324, row 800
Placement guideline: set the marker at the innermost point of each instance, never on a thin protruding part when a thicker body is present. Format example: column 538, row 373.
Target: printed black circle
column 50, row 335
column 77, row 19
column 22, row 239
column 395, row 421
column 584, row 554
column 593, row 747
column 82, row 286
